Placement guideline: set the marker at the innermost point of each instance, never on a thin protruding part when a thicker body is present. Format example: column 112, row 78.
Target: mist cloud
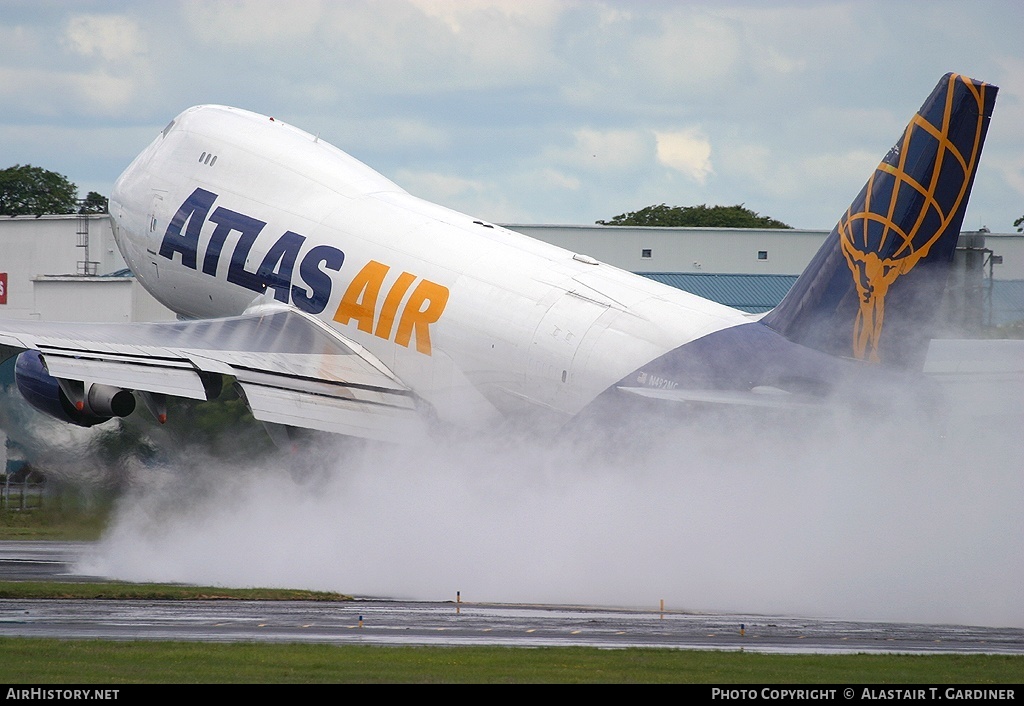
column 901, row 519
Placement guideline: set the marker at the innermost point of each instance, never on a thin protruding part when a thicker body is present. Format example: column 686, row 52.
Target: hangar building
column 753, row 268
column 68, row 268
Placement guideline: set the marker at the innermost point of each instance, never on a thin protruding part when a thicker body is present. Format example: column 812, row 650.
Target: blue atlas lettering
column 314, row 299
column 227, row 221
column 248, row 228
column 194, row 210
column 277, row 267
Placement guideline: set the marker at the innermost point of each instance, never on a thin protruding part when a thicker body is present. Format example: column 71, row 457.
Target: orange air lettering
column 425, row 306
column 418, row 318
column 360, row 300
column 390, row 308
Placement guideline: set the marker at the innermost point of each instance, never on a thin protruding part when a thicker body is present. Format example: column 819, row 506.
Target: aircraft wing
column 291, row 368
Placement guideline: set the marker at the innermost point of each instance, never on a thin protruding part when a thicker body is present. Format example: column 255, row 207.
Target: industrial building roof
column 757, row 294
column 754, row 294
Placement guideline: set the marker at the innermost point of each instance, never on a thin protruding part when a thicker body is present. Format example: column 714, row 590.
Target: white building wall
column 723, row 250
column 41, row 258
column 719, row 250
column 1011, row 247
column 108, row 299
column 29, row 247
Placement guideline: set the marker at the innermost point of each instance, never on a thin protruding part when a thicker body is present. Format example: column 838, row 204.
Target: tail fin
column 872, row 290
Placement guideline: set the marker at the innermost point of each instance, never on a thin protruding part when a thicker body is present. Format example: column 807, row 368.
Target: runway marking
column 531, row 630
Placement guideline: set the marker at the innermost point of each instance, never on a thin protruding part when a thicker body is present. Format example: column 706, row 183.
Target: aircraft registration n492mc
column 337, row 301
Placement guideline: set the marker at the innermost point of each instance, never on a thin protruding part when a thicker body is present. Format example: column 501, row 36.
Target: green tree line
column 33, row 191
column 702, row 216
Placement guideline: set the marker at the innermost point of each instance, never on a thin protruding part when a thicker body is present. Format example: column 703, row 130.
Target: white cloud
column 780, row 63
column 412, row 47
column 686, row 151
column 316, row 92
column 488, row 199
column 853, row 167
column 494, row 41
column 1011, row 169
column 252, row 22
column 555, row 179
column 20, row 43
column 692, row 51
column 56, row 93
column 417, row 133
column 794, row 37
column 434, row 186
column 86, row 65
column 461, row 15
column 109, row 37
column 745, row 159
column 105, row 93
column 607, row 150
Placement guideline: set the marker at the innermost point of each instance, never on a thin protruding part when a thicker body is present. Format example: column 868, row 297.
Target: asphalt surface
column 385, row 622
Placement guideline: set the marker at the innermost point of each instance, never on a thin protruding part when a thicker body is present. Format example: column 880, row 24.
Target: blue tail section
column 869, row 295
column 872, row 290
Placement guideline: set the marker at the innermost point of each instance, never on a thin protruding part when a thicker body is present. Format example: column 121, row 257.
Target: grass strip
column 153, row 592
column 55, row 522
column 46, row 661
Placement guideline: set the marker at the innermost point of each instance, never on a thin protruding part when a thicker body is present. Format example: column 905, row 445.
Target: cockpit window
column 167, row 129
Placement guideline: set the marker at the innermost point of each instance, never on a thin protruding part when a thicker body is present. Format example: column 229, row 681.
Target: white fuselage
column 477, row 320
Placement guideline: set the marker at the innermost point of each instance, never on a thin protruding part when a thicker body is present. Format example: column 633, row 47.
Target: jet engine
column 84, row 404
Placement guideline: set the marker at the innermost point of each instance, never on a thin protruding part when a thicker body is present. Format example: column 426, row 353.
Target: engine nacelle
column 93, row 403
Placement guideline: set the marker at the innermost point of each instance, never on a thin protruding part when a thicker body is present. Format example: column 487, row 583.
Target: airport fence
column 18, row 495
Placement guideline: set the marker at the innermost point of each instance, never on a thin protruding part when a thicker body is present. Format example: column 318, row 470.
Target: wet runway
column 385, row 622
column 41, row 561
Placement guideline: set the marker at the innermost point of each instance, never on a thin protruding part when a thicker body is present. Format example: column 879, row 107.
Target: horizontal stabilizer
column 757, row 397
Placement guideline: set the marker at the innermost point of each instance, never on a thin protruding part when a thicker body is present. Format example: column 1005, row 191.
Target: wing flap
column 167, row 378
column 347, row 369
column 369, row 420
column 292, row 368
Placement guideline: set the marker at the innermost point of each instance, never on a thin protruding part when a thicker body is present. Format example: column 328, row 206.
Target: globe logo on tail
column 910, row 201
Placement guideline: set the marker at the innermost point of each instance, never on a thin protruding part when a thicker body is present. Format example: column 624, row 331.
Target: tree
column 28, row 190
column 94, row 203
column 1018, row 222
column 702, row 216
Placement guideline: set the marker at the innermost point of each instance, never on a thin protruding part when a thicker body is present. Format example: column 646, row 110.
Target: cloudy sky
column 536, row 111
